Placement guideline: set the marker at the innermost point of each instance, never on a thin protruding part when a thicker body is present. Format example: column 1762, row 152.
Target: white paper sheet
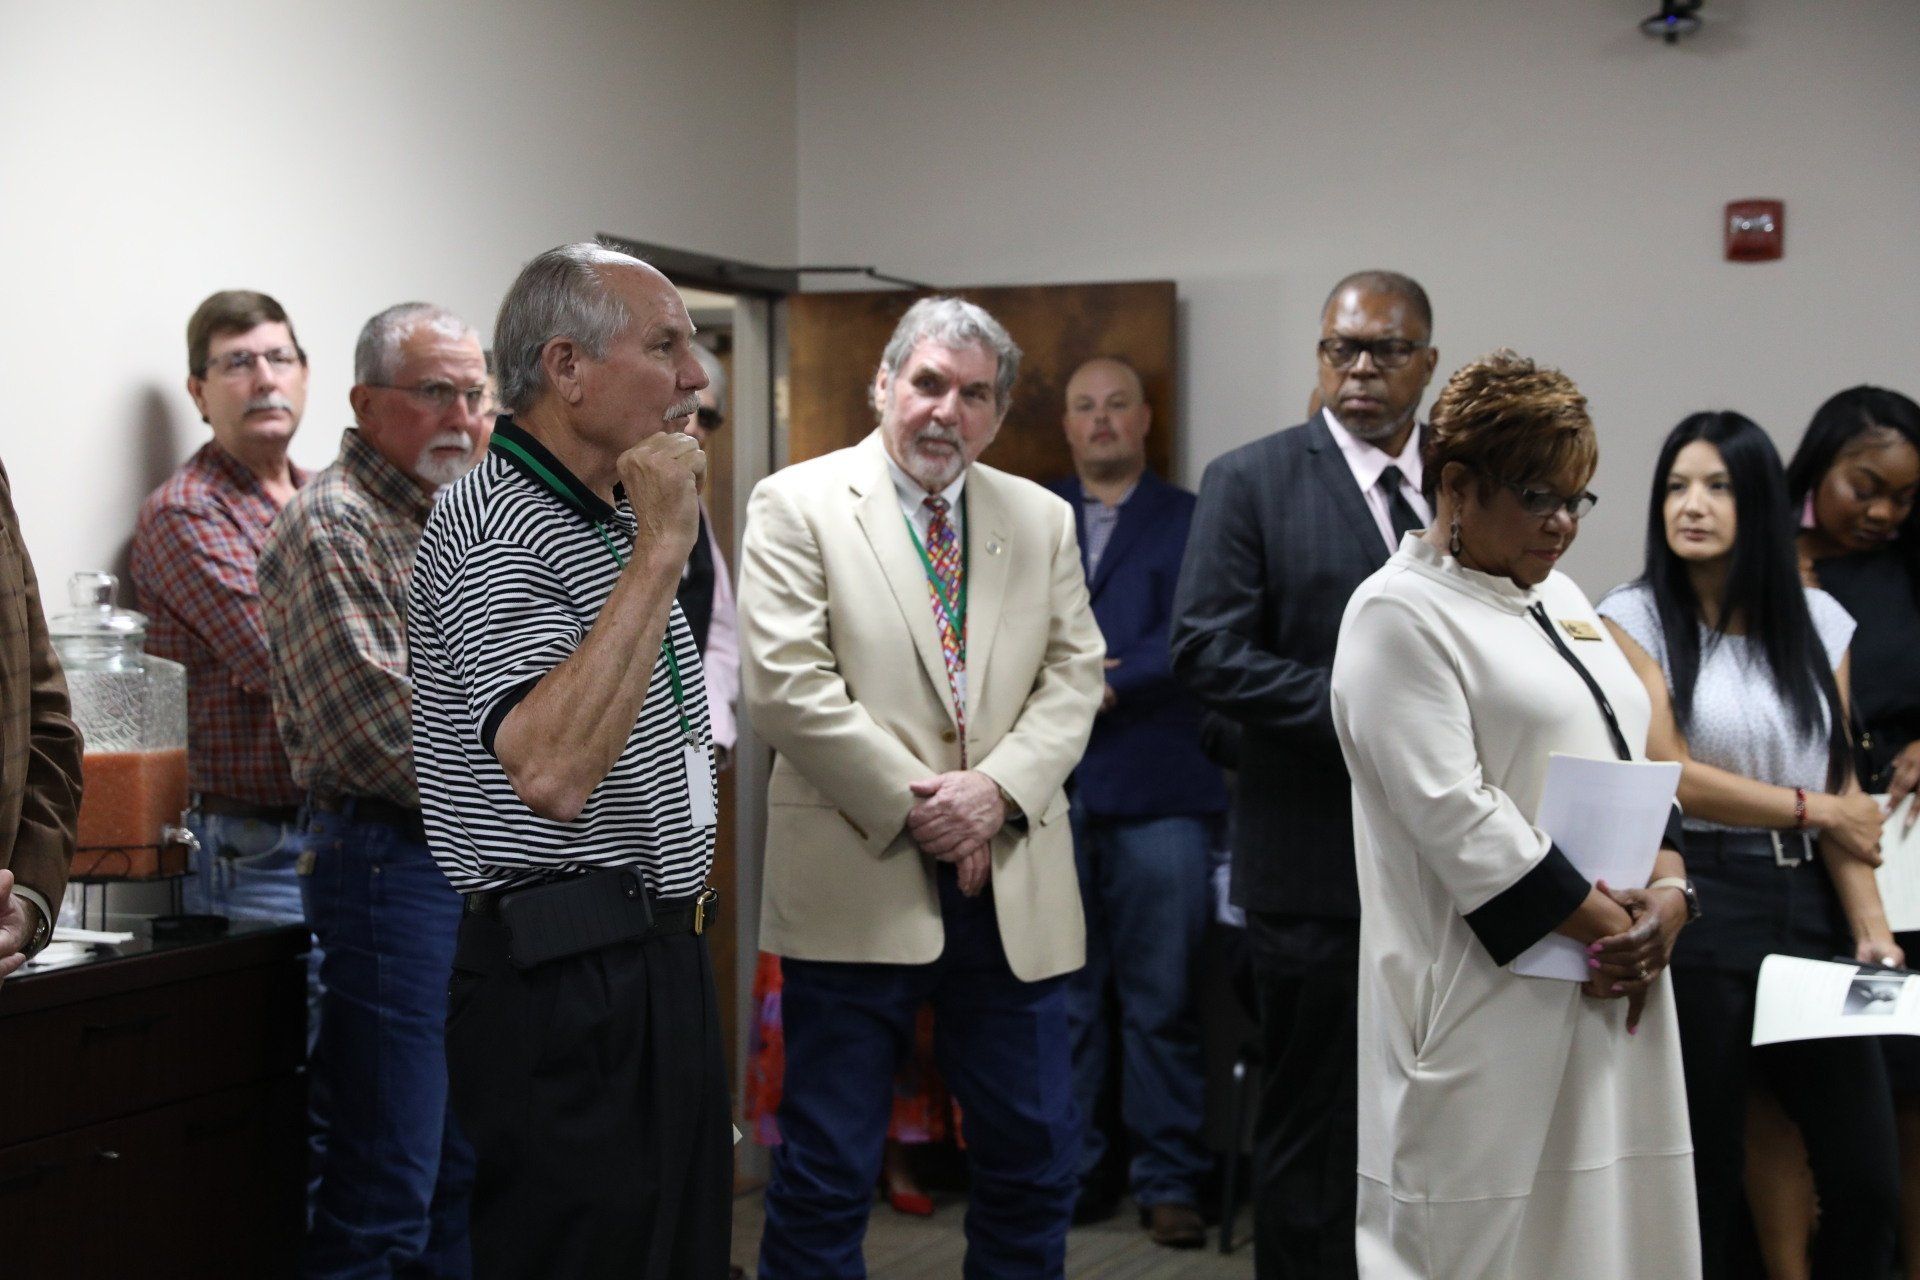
column 1899, row 870
column 1817, row 999
column 71, row 933
column 1607, row 816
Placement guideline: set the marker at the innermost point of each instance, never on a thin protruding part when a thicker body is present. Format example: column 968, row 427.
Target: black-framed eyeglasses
column 709, row 419
column 1387, row 353
column 238, row 364
column 440, row 396
column 1543, row 503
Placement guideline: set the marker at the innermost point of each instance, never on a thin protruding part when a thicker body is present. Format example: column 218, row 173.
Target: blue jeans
column 1002, row 1046
column 397, row 1174
column 245, row 869
column 1146, row 889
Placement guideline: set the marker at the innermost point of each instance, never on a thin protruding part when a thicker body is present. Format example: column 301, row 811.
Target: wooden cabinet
column 153, row 1111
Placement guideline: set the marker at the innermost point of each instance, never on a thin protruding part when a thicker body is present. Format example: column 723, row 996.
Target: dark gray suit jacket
column 1280, row 540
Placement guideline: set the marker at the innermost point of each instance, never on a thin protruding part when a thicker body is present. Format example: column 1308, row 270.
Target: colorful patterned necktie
column 943, row 553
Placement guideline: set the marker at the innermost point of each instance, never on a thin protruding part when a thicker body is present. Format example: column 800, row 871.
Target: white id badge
column 698, row 760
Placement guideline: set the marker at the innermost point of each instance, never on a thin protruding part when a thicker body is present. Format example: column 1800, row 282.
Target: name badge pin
column 1580, row 629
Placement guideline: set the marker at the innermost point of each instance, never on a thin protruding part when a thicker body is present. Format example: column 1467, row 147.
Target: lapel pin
column 993, row 546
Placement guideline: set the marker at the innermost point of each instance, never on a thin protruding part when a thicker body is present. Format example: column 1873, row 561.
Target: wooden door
column 836, row 340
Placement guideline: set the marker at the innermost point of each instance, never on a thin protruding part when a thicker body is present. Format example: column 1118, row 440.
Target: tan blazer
column 842, row 674
column 39, row 745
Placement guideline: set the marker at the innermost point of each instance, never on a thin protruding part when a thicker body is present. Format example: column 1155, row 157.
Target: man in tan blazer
column 39, row 757
column 919, row 651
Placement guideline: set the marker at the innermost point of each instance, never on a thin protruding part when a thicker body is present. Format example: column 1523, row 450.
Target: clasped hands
column 955, row 819
column 1626, row 964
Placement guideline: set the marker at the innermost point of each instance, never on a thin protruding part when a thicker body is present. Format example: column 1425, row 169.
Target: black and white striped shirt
column 508, row 580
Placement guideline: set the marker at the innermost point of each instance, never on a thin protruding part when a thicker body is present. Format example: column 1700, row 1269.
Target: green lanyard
column 560, row 491
column 956, row 611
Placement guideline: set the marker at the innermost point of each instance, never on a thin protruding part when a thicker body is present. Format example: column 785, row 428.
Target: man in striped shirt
column 565, row 764
column 394, row 1178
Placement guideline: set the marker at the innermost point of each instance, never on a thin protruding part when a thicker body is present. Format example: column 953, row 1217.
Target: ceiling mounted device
column 1676, row 18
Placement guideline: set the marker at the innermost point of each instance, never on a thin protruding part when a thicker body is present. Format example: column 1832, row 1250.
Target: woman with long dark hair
column 1747, row 670
column 1853, row 480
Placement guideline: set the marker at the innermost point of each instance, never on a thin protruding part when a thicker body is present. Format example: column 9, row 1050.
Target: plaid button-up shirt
column 334, row 578
column 195, row 548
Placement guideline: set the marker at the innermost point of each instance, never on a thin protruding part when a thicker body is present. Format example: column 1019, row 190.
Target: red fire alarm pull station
column 1755, row 229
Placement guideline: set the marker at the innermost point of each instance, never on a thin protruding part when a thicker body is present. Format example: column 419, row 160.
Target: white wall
column 341, row 155
column 1553, row 177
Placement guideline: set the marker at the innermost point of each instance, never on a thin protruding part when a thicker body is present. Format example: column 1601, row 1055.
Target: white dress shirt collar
column 1367, row 461
column 913, row 499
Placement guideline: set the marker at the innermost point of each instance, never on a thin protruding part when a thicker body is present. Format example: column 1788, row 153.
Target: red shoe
column 915, row 1204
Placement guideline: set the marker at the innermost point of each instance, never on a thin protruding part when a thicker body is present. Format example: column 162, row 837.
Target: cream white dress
column 1509, row 1126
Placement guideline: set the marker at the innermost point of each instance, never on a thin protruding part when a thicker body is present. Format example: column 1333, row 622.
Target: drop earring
column 1453, row 536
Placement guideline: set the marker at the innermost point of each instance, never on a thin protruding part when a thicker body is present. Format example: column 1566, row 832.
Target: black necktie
column 1400, row 512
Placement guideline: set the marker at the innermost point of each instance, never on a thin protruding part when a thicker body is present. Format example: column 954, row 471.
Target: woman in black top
column 1854, row 479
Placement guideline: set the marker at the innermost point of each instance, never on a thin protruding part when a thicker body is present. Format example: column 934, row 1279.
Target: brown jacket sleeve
column 39, row 743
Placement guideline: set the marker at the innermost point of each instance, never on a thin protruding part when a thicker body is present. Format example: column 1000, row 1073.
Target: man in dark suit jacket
column 1286, row 528
column 1145, row 811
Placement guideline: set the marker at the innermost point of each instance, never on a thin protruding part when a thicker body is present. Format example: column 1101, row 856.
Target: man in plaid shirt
column 194, row 551
column 396, row 1175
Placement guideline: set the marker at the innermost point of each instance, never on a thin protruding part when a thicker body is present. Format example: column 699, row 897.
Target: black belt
column 372, row 809
column 670, row 915
column 1782, row 848
column 228, row 807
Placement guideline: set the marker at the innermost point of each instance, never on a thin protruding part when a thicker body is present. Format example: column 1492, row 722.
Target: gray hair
column 376, row 356
column 562, row 293
column 954, row 323
column 716, row 372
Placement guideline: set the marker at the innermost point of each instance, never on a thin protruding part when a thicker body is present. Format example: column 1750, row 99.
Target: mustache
column 449, row 439
column 936, row 435
column 272, row 400
column 683, row 408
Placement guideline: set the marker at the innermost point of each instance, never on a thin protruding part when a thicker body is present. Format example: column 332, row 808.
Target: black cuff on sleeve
column 508, row 701
column 1676, row 833
column 1530, row 908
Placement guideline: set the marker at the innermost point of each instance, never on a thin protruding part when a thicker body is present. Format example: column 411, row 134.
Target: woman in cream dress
column 1512, row 1127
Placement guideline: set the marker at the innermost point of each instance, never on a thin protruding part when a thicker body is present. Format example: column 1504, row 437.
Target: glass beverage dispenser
column 132, row 708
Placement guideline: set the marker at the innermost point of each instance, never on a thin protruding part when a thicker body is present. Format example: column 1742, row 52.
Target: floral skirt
column 923, row 1111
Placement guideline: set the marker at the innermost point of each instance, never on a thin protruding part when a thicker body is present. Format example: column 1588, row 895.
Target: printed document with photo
column 1607, row 816
column 1818, row 999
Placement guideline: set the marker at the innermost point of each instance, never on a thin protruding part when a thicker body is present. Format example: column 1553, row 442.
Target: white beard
column 440, row 472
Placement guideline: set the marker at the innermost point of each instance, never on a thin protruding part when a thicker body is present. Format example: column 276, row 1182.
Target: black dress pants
column 1305, row 1155
column 594, row 1092
column 1834, row 1090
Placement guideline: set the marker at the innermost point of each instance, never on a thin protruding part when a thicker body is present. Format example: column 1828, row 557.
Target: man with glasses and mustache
column 195, row 549
column 1286, row 528
column 919, row 651
column 395, row 1178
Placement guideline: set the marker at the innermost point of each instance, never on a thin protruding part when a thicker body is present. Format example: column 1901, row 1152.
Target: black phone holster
column 574, row 915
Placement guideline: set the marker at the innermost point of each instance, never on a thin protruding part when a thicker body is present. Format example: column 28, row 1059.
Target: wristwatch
column 1687, row 891
column 42, row 928
column 1015, row 818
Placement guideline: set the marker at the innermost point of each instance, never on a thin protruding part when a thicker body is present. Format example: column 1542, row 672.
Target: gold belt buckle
column 707, row 898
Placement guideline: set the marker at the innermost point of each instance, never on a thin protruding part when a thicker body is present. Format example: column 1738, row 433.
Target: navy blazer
column 1144, row 757
column 1281, row 538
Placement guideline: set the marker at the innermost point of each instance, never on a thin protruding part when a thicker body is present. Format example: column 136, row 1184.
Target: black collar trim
column 583, row 500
